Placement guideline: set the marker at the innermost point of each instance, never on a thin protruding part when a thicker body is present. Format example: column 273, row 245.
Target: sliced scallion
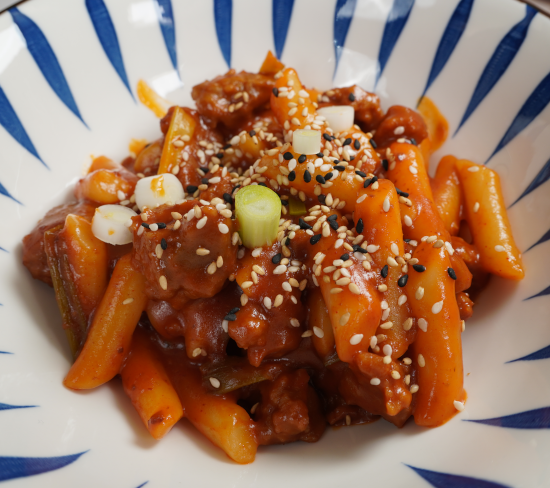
column 306, row 141
column 258, row 210
column 339, row 117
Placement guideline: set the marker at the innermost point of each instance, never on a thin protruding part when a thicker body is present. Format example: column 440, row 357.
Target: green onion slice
column 296, row 207
column 258, row 210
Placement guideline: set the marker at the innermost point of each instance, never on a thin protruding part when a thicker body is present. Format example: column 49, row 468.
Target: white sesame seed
column 476, row 207
column 413, row 170
column 307, row 333
column 286, row 286
column 473, row 169
column 421, row 361
column 419, row 293
column 423, row 325
column 225, row 323
column 223, row 228
column 399, row 130
column 278, row 300
column 408, row 221
column 387, row 360
column 318, row 332
column 437, row 307
column 163, row 282
column 439, row 243
column 267, row 302
column 431, row 239
column 463, row 324
column 202, row 222
column 338, row 243
column 386, row 325
column 246, row 284
column 414, row 388
column 387, row 350
column 499, row 248
column 356, row 339
column 395, row 375
column 120, row 195
column 375, row 381
column 458, row 405
column 215, row 382
column 394, row 248
column 361, row 198
column 295, row 322
column 154, row 227
column 373, row 341
column 392, row 262
column 279, row 269
column 127, row 301
column 344, row 318
column 402, row 299
column 386, row 204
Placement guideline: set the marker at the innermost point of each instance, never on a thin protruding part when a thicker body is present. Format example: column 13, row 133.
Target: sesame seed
column 153, row 227
column 127, row 301
column 384, row 271
column 419, row 293
column 392, row 262
column 387, row 350
column 499, row 248
column 356, row 339
column 354, row 289
column 375, row 381
column 386, row 204
column 413, row 170
column 344, row 318
column 473, row 169
column 361, row 198
column 395, row 375
column 386, row 325
column 387, row 360
column 215, row 382
column 399, row 130
column 421, row 361
column 381, row 288
column 402, row 299
column 295, row 322
column 401, row 282
column 318, row 332
column 458, row 405
column 437, row 307
column 307, row 333
column 163, row 282
column 423, row 325
column 439, row 243
column 414, row 388
column 385, row 314
column 202, row 222
column 286, row 286
column 278, row 300
column 408, row 324
column 372, row 248
column 476, row 207
column 212, row 267
column 279, row 269
column 246, row 284
column 408, row 221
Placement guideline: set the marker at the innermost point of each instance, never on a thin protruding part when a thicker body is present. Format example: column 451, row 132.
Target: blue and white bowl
column 68, row 75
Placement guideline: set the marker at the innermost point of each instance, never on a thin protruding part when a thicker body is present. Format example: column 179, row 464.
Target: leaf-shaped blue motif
column 452, row 34
column 445, row 480
column 45, row 59
column 542, row 177
column 397, row 18
column 5, row 352
column 106, row 33
column 6, row 193
column 10, row 121
column 21, row 467
column 343, row 15
column 223, row 18
column 531, row 419
column 5, row 406
column 143, row 484
column 281, row 12
column 542, row 293
column 543, row 353
column 2, row 249
column 501, row 58
column 533, row 106
column 544, row 238
column 168, row 29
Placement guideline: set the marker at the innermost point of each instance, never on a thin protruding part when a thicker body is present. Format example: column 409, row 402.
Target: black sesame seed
column 419, row 268
column 332, row 217
column 315, row 239
column 401, row 193
column 327, row 137
column 360, row 226
column 230, row 317
column 284, row 202
column 252, row 133
column 204, row 181
column 413, row 141
column 303, row 224
column 339, row 168
column 262, row 184
column 292, row 176
column 407, row 240
column 163, row 244
column 288, row 155
column 322, row 199
column 351, row 97
column 275, row 92
column 351, row 158
column 191, row 188
column 302, row 158
column 145, row 225
column 227, row 198
column 277, row 258
column 328, row 176
column 385, row 164
column 347, row 141
column 286, row 242
column 361, row 173
column 161, row 225
column 219, row 155
column 336, row 161
column 320, row 179
column 307, row 176
column 344, row 257
column 358, row 248
column 319, row 155
column 401, row 282
column 234, row 310
column 235, row 188
column 205, row 169
column 227, row 146
column 373, row 143
column 357, row 144
column 370, row 181
column 384, row 272
column 452, row 273
column 333, row 224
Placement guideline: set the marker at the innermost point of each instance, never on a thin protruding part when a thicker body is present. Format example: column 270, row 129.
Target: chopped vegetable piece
column 306, row 141
column 339, row 117
column 296, row 207
column 158, row 190
column 109, row 224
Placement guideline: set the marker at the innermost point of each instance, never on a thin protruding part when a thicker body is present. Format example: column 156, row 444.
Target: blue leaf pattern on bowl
column 397, row 18
column 10, row 121
column 445, row 480
column 106, row 33
column 343, row 15
column 542, row 293
column 143, row 484
column 501, row 59
column 544, row 238
column 6, row 193
column 5, row 406
column 542, row 177
column 46, row 60
column 532, row 107
column 20, row 467
column 538, row 418
column 223, row 17
column 168, row 29
column 5, row 352
column 281, row 12
column 543, row 353
column 452, row 34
